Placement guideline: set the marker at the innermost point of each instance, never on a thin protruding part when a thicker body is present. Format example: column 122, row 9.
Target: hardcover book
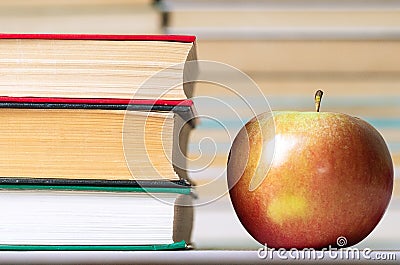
column 94, row 139
column 96, row 66
column 59, row 217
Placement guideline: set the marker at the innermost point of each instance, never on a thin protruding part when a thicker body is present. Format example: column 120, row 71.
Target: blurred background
column 290, row 48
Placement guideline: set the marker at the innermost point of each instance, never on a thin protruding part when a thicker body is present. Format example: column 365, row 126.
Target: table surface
column 195, row 257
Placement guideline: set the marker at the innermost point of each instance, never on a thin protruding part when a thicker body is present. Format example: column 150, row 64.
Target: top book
column 96, row 66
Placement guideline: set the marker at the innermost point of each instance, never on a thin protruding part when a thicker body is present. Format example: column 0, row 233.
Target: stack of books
column 93, row 138
column 77, row 16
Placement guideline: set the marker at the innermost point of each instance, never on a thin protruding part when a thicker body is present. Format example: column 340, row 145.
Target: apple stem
column 318, row 97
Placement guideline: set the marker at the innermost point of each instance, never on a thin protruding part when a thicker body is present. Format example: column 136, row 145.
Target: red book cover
column 184, row 108
column 172, row 38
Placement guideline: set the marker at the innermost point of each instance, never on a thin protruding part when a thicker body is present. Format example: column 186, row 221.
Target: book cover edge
column 158, row 247
column 176, row 190
column 94, row 182
column 100, row 37
column 105, row 101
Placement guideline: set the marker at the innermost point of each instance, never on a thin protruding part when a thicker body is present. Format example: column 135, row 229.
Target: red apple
column 331, row 176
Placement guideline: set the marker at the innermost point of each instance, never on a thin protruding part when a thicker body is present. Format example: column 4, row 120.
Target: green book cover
column 173, row 246
column 177, row 189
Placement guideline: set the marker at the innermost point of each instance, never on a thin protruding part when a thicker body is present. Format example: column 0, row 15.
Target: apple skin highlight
column 331, row 176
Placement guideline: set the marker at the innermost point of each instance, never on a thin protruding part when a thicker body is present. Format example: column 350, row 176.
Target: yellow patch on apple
column 287, row 207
